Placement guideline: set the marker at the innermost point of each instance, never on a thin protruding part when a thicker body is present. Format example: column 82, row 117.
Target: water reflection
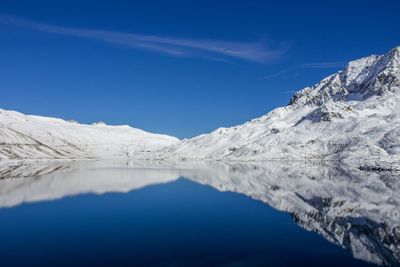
column 351, row 208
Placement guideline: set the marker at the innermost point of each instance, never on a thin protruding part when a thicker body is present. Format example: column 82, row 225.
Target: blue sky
column 179, row 67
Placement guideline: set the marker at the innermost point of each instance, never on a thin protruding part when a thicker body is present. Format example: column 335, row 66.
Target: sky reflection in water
column 187, row 214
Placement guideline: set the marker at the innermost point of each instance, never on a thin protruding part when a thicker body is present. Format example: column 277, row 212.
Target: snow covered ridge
column 34, row 137
column 351, row 115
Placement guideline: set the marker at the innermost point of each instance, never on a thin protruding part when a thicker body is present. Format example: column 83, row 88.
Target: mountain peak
column 362, row 78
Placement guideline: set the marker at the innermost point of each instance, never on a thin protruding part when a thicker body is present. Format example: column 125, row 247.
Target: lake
column 156, row 213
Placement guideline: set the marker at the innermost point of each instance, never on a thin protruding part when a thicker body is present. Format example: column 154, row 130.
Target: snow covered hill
column 351, row 115
column 34, row 137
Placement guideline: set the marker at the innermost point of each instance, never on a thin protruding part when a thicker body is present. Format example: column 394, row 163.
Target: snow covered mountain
column 34, row 137
column 353, row 114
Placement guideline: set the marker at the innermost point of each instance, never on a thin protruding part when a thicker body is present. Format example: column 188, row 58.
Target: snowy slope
column 353, row 114
column 25, row 136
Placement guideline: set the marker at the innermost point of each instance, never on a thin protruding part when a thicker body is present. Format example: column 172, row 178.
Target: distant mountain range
column 352, row 115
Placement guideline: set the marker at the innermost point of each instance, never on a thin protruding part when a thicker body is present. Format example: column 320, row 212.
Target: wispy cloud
column 290, row 92
column 311, row 65
column 179, row 47
column 277, row 74
column 323, row 65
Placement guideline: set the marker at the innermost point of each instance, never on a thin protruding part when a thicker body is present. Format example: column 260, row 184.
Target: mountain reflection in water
column 351, row 208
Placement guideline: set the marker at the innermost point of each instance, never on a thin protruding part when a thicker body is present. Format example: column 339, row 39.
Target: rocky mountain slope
column 34, row 137
column 351, row 115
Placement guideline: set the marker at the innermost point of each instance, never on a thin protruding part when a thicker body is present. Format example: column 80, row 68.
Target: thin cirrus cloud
column 322, row 65
column 311, row 65
column 209, row 49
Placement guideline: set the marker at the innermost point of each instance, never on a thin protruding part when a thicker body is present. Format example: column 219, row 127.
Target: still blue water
column 179, row 223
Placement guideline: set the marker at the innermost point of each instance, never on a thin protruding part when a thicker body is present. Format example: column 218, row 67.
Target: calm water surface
column 214, row 214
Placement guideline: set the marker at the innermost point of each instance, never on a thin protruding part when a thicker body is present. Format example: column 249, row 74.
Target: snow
column 35, row 137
